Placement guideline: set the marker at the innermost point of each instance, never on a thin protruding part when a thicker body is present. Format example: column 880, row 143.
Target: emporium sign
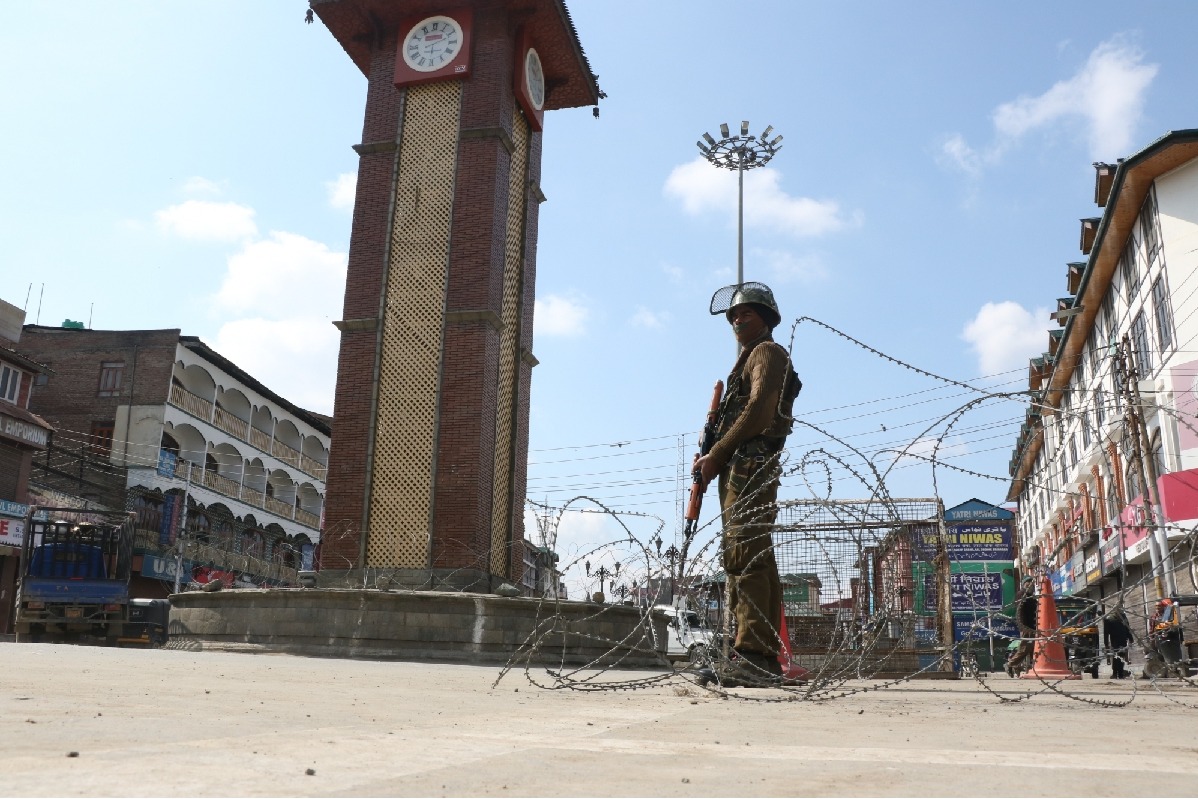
column 25, row 432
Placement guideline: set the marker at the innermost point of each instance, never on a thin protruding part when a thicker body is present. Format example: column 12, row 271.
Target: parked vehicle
column 1165, row 647
column 147, row 622
column 686, row 636
column 75, row 569
column 1079, row 634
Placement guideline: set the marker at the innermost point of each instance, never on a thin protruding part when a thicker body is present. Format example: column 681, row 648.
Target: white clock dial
column 534, row 76
column 432, row 43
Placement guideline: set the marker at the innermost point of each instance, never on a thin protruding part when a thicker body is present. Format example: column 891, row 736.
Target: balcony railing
column 191, row 403
column 313, row 467
column 260, row 439
column 285, row 453
column 279, row 508
column 222, row 485
column 239, row 428
column 252, row 497
column 307, row 519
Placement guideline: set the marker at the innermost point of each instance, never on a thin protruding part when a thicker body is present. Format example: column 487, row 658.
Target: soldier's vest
column 760, row 449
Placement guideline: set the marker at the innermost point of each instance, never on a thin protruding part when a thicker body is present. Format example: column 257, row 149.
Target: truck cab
column 687, row 638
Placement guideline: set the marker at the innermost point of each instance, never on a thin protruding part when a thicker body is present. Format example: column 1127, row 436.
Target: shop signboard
column 968, row 628
column 167, row 461
column 1112, row 548
column 172, row 516
column 16, row 510
column 12, row 532
column 970, row 591
column 1138, row 551
column 1077, row 568
column 1062, row 580
column 159, row 568
column 1093, row 569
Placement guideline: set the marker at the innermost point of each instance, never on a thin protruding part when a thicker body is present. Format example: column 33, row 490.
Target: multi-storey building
column 22, row 435
column 1088, row 476
column 163, row 425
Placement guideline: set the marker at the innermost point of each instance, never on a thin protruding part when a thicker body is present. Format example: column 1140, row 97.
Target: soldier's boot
column 750, row 670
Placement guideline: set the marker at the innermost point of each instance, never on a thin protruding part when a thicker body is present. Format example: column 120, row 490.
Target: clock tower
column 427, row 468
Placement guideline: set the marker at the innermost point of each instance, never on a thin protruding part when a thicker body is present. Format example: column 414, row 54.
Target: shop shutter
column 10, row 470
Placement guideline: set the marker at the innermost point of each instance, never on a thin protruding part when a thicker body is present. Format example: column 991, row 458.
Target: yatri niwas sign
column 970, row 541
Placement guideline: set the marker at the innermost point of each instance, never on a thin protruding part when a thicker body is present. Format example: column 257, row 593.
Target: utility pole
column 182, row 532
column 1158, row 548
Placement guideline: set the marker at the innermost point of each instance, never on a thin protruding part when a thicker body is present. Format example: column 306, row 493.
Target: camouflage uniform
column 754, row 422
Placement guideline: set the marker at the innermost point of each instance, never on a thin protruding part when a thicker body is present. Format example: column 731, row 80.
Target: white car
column 686, row 636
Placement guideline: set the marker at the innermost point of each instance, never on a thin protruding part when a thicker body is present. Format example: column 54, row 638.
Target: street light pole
column 741, row 153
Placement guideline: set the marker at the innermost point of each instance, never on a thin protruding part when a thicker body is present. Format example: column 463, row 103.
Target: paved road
column 172, row 723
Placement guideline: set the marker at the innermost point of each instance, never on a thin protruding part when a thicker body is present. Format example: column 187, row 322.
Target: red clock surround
column 455, row 67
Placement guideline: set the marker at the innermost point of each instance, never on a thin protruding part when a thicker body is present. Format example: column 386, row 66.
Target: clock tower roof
column 569, row 82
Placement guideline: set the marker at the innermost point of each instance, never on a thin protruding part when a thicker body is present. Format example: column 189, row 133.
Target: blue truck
column 75, row 570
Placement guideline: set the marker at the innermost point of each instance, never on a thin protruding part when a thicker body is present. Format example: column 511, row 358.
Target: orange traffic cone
column 790, row 670
column 1049, row 661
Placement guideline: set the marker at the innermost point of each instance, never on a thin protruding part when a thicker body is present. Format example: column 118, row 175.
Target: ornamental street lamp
column 740, row 153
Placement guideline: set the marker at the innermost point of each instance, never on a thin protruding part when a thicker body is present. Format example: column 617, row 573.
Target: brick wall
column 353, row 409
column 468, row 394
column 70, row 399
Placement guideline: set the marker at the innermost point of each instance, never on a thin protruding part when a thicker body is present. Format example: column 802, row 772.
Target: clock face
column 534, row 76
column 432, row 43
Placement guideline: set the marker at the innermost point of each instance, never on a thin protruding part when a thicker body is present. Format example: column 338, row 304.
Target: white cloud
column 703, row 189
column 922, row 451
column 786, row 267
column 1004, row 335
column 284, row 276
column 201, row 220
column 199, row 185
column 555, row 315
column 648, row 319
column 342, row 191
column 296, row 357
column 1106, row 96
column 674, row 273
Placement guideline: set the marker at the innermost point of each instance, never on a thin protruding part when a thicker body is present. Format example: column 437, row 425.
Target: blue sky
column 181, row 165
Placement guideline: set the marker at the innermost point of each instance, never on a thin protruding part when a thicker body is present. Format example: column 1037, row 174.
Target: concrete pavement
column 170, row 723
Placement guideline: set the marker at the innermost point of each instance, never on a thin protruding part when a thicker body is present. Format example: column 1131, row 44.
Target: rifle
column 706, row 442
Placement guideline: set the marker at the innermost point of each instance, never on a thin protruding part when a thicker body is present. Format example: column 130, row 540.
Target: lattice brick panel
column 513, row 284
column 413, row 325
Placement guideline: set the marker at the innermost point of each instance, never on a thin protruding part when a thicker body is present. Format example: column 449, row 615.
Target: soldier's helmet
column 755, row 294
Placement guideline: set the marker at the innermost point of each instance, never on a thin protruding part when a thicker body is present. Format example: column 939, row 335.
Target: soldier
column 754, row 419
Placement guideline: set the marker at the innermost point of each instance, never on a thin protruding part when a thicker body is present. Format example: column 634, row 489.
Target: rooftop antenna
column 90, row 308
column 28, row 291
column 40, row 294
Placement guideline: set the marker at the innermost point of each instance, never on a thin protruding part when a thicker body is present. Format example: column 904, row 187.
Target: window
column 1162, row 311
column 1129, row 269
column 1139, row 342
column 1072, row 451
column 1086, row 431
column 10, row 383
column 100, row 441
column 1158, row 454
column 111, row 373
column 1148, row 227
column 1099, row 409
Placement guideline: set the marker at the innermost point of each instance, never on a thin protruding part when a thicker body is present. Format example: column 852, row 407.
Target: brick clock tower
column 427, row 469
